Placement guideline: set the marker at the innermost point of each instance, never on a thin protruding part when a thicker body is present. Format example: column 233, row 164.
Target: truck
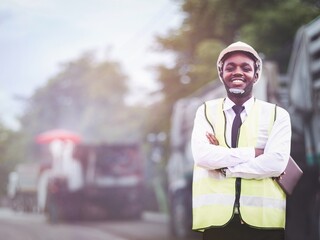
column 303, row 90
column 93, row 181
column 299, row 92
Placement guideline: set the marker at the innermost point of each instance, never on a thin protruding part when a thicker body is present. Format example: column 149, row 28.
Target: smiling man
column 239, row 145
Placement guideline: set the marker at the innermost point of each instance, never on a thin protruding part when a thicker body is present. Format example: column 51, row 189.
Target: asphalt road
column 22, row 226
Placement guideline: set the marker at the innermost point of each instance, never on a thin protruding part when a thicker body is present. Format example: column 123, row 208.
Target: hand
column 212, row 139
column 279, row 177
column 258, row 151
column 223, row 171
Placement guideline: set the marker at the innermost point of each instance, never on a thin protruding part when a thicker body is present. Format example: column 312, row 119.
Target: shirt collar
column 228, row 104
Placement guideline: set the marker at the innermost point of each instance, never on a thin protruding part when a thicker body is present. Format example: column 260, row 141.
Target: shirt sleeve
column 210, row 156
column 276, row 153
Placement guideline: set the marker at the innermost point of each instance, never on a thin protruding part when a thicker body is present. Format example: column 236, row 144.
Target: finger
column 210, row 137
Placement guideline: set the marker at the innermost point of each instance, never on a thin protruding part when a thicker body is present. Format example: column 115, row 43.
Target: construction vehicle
column 93, row 182
column 113, row 179
column 299, row 93
column 303, row 89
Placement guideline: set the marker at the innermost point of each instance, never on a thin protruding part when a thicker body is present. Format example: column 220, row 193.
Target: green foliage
column 203, row 69
column 272, row 31
column 86, row 97
column 11, row 143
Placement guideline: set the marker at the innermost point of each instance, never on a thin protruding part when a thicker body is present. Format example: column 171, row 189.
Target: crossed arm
column 244, row 162
column 258, row 151
column 213, row 140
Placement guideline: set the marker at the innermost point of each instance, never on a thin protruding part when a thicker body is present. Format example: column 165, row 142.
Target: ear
column 220, row 73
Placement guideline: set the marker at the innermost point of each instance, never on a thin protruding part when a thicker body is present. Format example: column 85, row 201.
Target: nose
column 237, row 71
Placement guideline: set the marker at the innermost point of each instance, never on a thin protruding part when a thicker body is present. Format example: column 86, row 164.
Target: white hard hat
column 240, row 46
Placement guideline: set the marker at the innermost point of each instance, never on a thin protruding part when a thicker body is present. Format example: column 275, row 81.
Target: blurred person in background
column 239, row 145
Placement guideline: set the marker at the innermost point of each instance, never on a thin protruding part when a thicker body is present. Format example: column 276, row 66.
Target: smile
column 237, row 80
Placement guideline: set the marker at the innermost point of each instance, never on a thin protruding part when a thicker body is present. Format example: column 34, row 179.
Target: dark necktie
column 234, row 138
column 236, row 125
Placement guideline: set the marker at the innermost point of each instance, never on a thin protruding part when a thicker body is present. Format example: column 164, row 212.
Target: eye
column 246, row 68
column 229, row 68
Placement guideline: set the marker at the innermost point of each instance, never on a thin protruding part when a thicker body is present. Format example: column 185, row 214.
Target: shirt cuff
column 228, row 173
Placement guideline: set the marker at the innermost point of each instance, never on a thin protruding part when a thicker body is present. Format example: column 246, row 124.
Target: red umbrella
column 58, row 134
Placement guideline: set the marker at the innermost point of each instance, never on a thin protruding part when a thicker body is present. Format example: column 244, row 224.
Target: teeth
column 237, row 81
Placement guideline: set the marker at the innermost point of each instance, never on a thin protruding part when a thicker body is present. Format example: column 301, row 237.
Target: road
column 22, row 226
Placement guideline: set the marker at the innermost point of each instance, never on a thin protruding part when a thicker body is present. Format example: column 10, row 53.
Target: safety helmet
column 235, row 47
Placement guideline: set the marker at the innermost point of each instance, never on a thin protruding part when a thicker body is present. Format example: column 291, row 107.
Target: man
column 239, row 145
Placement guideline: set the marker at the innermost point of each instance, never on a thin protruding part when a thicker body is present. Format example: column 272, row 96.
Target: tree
column 272, row 31
column 87, row 97
column 10, row 144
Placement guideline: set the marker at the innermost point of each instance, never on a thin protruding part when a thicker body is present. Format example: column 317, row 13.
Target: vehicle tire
column 317, row 226
column 181, row 215
column 54, row 210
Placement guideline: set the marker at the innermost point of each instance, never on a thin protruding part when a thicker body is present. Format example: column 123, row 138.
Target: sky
column 38, row 36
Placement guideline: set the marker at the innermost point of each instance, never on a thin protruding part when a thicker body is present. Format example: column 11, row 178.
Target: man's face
column 238, row 73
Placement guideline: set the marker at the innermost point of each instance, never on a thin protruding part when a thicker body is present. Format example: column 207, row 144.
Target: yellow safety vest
column 262, row 202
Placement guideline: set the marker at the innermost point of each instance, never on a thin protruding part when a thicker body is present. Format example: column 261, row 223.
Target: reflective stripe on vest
column 262, row 202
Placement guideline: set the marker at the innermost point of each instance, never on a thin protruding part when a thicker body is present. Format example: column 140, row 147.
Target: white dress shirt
column 241, row 162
